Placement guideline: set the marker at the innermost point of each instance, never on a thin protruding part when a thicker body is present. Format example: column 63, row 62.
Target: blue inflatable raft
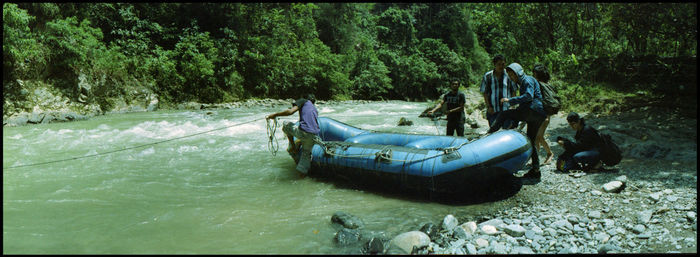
column 418, row 163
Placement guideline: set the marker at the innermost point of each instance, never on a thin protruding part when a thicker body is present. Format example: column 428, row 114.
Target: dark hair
column 498, row 57
column 574, row 117
column 311, row 98
column 541, row 73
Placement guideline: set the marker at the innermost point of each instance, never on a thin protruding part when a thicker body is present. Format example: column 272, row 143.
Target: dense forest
column 220, row 52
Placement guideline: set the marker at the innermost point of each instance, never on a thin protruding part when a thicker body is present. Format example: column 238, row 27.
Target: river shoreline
column 656, row 211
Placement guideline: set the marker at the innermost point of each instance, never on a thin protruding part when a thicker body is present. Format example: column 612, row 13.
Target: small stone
column 514, row 230
column 643, row 236
column 655, row 196
column 644, row 216
column 471, row 249
column 522, row 250
column 638, row 229
column 469, row 227
column 594, row 214
column 481, row 243
column 449, row 222
column 596, row 193
column 489, row 230
column 613, row 187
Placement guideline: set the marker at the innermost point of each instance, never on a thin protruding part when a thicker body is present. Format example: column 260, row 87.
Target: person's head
column 540, row 73
column 499, row 63
column 311, row 98
column 575, row 121
column 454, row 85
column 514, row 71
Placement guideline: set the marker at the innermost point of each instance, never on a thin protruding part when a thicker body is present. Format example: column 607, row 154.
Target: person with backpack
column 529, row 110
column 584, row 152
column 542, row 75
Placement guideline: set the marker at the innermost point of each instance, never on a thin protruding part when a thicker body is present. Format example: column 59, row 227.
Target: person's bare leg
column 542, row 142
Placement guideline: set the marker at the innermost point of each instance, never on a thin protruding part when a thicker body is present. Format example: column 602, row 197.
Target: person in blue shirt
column 307, row 131
column 529, row 110
column 454, row 100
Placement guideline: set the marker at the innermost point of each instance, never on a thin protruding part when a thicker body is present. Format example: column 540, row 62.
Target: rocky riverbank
column 645, row 204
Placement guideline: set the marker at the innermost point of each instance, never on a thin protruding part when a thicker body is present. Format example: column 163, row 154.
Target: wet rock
column 346, row 220
column 347, row 237
column 405, row 122
column 430, row 229
column 375, row 245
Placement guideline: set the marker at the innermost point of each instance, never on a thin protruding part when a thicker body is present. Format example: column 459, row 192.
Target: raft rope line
column 272, row 146
column 128, row 148
column 378, row 154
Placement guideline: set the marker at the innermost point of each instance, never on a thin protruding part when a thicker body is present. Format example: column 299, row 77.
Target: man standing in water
column 455, row 109
column 496, row 85
column 307, row 131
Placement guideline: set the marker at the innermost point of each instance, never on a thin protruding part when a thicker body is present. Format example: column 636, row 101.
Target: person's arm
column 587, row 141
column 487, row 100
column 437, row 106
column 525, row 96
column 486, row 92
column 286, row 112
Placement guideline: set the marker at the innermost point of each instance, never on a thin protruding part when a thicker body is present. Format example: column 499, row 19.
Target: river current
column 221, row 192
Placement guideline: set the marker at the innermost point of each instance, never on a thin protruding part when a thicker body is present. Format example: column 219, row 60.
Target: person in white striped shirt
column 495, row 85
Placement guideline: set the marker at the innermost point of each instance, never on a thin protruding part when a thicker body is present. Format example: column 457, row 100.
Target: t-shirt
column 454, row 100
column 308, row 116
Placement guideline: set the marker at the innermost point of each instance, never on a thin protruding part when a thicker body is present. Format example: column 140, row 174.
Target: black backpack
column 610, row 153
column 550, row 100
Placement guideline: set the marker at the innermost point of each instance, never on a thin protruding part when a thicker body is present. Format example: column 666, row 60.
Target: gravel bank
column 645, row 204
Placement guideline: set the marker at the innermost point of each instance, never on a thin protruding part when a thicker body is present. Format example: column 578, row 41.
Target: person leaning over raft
column 455, row 109
column 307, row 131
column 584, row 153
column 529, row 109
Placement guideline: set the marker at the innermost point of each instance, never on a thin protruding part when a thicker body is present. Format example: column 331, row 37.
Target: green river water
column 217, row 193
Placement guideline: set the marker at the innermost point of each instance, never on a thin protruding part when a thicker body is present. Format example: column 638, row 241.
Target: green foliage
column 215, row 52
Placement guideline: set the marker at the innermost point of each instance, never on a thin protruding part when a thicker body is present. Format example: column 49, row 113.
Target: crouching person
column 306, row 132
column 584, row 153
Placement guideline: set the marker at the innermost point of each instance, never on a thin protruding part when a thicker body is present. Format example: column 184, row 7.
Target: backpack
column 550, row 100
column 610, row 153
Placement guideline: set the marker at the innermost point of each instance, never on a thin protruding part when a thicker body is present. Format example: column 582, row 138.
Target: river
column 221, row 192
